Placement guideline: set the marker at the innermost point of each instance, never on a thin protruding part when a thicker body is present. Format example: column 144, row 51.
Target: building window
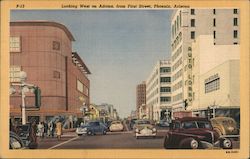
column 214, row 11
column 214, row 24
column 56, row 45
column 15, row 44
column 165, row 69
column 56, row 74
column 166, row 89
column 212, row 85
column 235, row 11
column 214, row 34
column 192, row 35
column 235, row 34
column 235, row 21
column 165, row 99
column 79, row 86
column 192, row 12
column 192, row 22
column 165, row 79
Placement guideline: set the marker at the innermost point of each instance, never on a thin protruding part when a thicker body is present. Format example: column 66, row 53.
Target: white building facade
column 158, row 91
column 216, row 78
column 186, row 26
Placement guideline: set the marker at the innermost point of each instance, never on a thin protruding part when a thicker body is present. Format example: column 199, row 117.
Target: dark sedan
column 92, row 128
column 194, row 133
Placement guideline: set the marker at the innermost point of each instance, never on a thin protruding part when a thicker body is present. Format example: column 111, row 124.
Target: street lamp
column 23, row 77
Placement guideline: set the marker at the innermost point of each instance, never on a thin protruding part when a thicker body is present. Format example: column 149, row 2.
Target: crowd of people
column 50, row 129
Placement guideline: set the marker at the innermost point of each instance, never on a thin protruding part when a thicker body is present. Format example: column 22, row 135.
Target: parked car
column 23, row 133
column 15, row 142
column 163, row 123
column 143, row 128
column 92, row 128
column 194, row 133
column 116, row 126
column 225, row 126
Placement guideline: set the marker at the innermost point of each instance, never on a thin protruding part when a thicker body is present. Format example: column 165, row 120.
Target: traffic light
column 37, row 97
column 185, row 104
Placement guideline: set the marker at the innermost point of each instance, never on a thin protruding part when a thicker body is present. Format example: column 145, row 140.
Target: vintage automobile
column 15, row 142
column 116, row 126
column 92, row 128
column 163, row 123
column 194, row 133
column 143, row 128
column 225, row 126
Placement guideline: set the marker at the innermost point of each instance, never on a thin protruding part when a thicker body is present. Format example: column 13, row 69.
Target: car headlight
column 154, row 129
column 227, row 143
column 137, row 130
column 194, row 144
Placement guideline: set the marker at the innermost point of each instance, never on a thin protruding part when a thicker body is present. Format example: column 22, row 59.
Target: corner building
column 43, row 50
column 140, row 99
column 186, row 26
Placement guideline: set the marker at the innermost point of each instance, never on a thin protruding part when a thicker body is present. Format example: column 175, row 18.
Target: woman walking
column 59, row 130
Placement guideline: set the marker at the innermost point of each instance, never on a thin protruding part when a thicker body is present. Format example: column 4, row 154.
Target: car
column 144, row 128
column 225, row 126
column 15, row 142
column 92, row 128
column 194, row 133
column 23, row 133
column 163, row 123
column 116, row 126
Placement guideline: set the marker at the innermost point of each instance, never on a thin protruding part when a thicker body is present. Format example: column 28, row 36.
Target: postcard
column 124, row 79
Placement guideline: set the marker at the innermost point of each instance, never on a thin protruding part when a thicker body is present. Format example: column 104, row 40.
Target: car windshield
column 143, row 122
column 93, row 124
column 189, row 125
column 204, row 124
column 116, row 122
column 196, row 124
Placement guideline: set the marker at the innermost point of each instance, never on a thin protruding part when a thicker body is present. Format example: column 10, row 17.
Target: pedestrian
column 82, row 124
column 42, row 130
column 45, row 129
column 40, row 127
column 32, row 135
column 49, row 129
column 53, row 126
column 59, row 130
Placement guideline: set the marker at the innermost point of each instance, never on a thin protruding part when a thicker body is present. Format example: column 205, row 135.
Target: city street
column 125, row 140
column 112, row 140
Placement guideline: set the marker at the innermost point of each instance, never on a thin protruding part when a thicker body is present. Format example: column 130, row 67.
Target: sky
column 120, row 48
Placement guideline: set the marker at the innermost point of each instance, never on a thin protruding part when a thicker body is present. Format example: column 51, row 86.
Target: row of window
column 165, row 89
column 165, row 69
column 165, row 99
column 177, row 53
column 15, row 44
column 165, row 79
column 82, row 88
column 235, row 34
column 176, row 42
column 192, row 11
column 235, row 22
column 212, row 85
column 177, row 75
column 177, row 86
column 177, row 64
column 177, row 25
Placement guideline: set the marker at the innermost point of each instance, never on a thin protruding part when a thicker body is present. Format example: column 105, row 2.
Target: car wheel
column 166, row 142
column 226, row 143
column 90, row 133
column 79, row 134
column 104, row 132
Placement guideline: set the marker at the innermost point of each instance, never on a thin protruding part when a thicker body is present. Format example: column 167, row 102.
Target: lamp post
column 23, row 77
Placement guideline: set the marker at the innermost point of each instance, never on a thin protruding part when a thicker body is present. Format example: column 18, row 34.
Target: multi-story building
column 216, row 78
column 186, row 26
column 158, row 91
column 43, row 50
column 140, row 98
